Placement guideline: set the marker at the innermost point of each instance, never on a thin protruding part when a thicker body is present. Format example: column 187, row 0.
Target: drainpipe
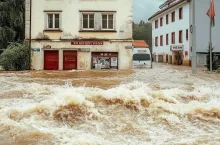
column 30, row 31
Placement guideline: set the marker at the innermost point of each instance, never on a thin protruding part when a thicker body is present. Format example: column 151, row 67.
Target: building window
column 173, row 16
column 53, row 21
column 167, row 19
column 161, row 21
column 173, row 37
column 88, row 21
column 108, row 21
column 167, row 39
column 180, row 13
column 180, row 36
column 156, row 24
column 161, row 40
column 187, row 34
column 156, row 41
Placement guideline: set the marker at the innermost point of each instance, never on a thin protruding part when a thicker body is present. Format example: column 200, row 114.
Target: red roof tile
column 140, row 44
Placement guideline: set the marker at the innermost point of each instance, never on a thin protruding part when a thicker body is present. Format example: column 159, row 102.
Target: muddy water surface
column 165, row 105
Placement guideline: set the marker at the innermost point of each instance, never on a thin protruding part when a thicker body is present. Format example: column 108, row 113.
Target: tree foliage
column 16, row 57
column 12, row 14
column 143, row 31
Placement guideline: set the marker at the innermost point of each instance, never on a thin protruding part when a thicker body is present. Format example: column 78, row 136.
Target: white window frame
column 54, row 13
column 88, row 21
column 107, row 21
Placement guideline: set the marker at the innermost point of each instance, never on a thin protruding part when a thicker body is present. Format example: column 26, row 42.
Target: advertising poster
column 114, row 62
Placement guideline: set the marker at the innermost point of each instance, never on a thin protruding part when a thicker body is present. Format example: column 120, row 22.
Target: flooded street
column 166, row 105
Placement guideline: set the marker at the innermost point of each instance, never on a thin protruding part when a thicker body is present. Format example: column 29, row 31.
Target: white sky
column 143, row 9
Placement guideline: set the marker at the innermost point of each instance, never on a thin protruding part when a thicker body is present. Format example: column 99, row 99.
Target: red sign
column 186, row 53
column 87, row 43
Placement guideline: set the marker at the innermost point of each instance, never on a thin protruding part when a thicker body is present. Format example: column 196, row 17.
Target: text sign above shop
column 176, row 47
column 87, row 42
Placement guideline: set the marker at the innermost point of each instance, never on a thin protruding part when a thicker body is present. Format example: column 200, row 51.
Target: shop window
column 105, row 60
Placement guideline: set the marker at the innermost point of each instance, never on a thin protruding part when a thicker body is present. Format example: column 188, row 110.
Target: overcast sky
column 143, row 9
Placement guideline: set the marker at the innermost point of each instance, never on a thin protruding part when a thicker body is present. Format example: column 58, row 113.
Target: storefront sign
column 35, row 50
column 176, row 48
column 87, row 43
column 84, row 49
column 128, row 47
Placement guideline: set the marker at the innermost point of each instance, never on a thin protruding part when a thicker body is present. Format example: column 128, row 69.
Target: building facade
column 172, row 37
column 79, row 34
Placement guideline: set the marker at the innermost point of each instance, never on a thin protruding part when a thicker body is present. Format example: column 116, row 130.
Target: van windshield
column 141, row 57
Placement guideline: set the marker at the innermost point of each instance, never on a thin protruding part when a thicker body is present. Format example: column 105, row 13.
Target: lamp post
column 194, row 59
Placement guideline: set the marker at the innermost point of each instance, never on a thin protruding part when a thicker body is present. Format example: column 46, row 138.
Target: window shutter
column 80, row 21
column 98, row 21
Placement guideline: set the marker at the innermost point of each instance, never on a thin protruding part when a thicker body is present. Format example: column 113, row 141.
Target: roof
column 163, row 10
column 140, row 44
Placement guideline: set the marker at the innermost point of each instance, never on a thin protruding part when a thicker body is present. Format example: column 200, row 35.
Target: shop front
column 177, row 54
column 104, row 60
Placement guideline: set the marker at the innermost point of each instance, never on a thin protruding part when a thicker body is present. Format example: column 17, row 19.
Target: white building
column 172, row 39
column 79, row 34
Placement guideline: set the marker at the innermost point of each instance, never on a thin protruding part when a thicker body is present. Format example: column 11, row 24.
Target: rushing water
column 160, row 106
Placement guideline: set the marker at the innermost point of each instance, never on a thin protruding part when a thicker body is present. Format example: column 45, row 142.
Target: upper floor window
column 161, row 21
column 167, row 19
column 180, row 13
column 161, row 40
column 173, row 16
column 53, row 21
column 167, row 39
column 156, row 41
column 88, row 21
column 108, row 21
column 173, row 37
column 187, row 34
column 180, row 36
column 156, row 24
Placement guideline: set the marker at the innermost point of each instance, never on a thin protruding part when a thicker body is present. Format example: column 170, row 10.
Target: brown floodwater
column 165, row 105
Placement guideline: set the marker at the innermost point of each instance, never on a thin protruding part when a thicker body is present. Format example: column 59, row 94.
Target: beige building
column 79, row 34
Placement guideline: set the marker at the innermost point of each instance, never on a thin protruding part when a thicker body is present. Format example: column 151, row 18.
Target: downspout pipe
column 30, row 31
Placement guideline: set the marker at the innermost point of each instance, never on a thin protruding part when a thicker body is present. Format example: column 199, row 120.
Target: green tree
column 143, row 31
column 12, row 14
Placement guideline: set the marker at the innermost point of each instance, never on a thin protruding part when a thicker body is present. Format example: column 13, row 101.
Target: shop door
column 69, row 60
column 51, row 60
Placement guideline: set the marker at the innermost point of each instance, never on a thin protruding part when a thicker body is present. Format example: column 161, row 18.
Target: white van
column 142, row 58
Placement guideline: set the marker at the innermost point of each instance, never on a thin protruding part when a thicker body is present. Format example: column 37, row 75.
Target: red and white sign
column 87, row 42
column 176, row 47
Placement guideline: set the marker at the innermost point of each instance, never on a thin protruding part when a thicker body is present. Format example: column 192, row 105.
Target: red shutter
column 167, row 39
column 180, row 13
column 187, row 34
column 167, row 19
column 161, row 40
column 173, row 37
column 173, row 16
column 156, row 24
column 180, row 36
column 156, row 41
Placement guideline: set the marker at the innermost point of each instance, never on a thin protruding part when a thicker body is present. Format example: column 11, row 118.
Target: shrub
column 16, row 57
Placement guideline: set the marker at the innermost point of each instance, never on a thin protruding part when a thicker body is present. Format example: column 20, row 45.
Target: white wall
column 182, row 24
column 70, row 18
